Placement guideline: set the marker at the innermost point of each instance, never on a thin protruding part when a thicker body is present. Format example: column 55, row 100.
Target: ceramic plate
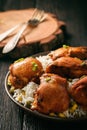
column 52, row 118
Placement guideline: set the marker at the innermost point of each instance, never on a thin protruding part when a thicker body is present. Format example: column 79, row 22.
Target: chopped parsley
column 83, row 63
column 47, row 79
column 34, row 66
column 65, row 46
column 21, row 59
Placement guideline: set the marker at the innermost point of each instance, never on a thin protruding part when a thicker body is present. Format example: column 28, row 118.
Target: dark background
column 74, row 13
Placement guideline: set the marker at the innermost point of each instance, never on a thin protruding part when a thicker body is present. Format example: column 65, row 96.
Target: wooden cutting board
column 45, row 37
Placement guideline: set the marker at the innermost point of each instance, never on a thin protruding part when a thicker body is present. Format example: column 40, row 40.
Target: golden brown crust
column 79, row 52
column 68, row 67
column 24, row 71
column 79, row 91
column 51, row 96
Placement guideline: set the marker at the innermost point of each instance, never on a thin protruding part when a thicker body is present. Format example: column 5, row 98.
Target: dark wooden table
column 73, row 12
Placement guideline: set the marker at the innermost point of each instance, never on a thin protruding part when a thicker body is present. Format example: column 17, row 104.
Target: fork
column 37, row 17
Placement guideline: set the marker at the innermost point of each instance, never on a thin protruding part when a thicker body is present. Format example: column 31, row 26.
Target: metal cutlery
column 37, row 17
column 5, row 34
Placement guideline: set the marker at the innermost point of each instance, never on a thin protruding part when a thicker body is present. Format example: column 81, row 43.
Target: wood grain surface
column 47, row 36
column 73, row 12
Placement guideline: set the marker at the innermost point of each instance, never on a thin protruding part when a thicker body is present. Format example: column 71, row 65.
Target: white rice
column 77, row 113
column 45, row 60
column 26, row 94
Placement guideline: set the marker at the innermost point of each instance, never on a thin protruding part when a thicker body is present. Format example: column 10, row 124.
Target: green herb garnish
column 65, row 46
column 48, row 79
column 12, row 90
column 83, row 63
column 21, row 59
column 34, row 66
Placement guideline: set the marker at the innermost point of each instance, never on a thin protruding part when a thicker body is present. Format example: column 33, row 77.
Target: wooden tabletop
column 73, row 12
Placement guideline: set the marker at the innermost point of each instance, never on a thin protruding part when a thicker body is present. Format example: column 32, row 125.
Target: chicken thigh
column 79, row 52
column 24, row 71
column 52, row 95
column 68, row 67
column 79, row 91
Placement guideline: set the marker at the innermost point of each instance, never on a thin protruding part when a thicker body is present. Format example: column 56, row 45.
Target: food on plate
column 79, row 91
column 51, row 95
column 68, row 67
column 79, row 52
column 52, row 87
column 21, row 72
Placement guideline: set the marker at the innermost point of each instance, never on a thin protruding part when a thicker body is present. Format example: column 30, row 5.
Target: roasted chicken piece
column 79, row 52
column 29, row 69
column 79, row 91
column 52, row 95
column 68, row 67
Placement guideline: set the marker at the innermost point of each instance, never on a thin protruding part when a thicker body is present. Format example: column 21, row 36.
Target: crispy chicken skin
column 79, row 52
column 52, row 95
column 79, row 91
column 68, row 67
column 24, row 71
